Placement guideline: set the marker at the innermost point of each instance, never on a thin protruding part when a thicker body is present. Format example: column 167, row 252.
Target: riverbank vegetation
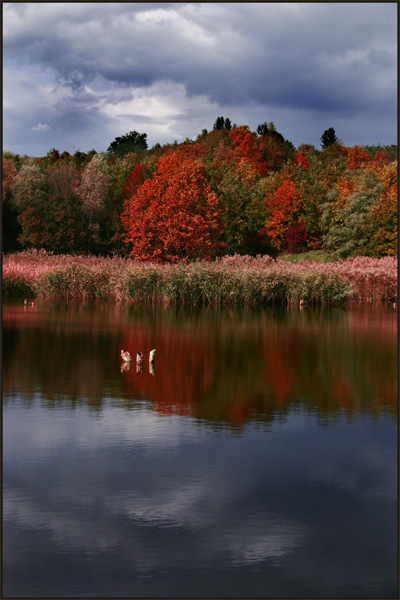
column 230, row 280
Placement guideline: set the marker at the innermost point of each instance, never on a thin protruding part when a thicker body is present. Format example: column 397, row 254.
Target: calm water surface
column 259, row 459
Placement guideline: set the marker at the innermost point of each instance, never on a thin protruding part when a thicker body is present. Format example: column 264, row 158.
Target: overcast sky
column 77, row 75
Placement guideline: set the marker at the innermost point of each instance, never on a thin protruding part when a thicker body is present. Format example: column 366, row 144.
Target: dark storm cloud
column 250, row 59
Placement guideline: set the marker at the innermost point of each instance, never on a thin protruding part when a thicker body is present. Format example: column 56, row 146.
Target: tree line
column 231, row 190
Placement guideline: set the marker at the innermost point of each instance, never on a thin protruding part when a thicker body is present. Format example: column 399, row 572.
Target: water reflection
column 189, row 510
column 255, row 458
column 228, row 365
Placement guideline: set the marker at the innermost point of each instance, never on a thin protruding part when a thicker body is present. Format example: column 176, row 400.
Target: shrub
column 16, row 286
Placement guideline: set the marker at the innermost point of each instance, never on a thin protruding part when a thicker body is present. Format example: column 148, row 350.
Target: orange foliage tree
column 384, row 213
column 356, row 157
column 285, row 207
column 245, row 147
column 175, row 215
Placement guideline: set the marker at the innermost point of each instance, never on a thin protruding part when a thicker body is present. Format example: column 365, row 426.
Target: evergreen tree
column 328, row 138
column 262, row 129
column 219, row 123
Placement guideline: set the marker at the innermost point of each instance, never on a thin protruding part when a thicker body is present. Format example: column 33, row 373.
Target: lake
column 258, row 458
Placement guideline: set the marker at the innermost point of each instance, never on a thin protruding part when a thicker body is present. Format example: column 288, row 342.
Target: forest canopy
column 231, row 190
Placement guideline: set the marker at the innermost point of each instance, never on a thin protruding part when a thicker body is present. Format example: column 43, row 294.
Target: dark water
column 258, row 460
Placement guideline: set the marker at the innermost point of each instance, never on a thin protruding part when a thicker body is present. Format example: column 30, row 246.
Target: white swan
column 126, row 357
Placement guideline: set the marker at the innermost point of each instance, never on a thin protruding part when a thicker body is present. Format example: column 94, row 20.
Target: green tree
column 130, row 142
column 347, row 224
column 219, row 123
column 79, row 159
column 52, row 156
column 67, row 226
column 262, row 129
column 31, row 200
column 241, row 198
column 329, row 137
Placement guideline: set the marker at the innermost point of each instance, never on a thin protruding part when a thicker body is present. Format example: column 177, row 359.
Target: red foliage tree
column 135, row 178
column 175, row 215
column 285, row 204
column 246, row 147
column 8, row 175
column 301, row 160
column 381, row 156
column 356, row 157
column 296, row 237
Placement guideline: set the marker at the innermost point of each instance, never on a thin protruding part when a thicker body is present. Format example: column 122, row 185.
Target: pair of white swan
column 126, row 357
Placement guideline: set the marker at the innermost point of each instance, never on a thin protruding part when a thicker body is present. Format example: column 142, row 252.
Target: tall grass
column 231, row 280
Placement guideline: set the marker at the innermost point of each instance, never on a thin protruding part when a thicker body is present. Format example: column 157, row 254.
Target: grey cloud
column 320, row 58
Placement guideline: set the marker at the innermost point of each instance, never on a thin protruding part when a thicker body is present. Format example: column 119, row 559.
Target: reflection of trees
column 229, row 365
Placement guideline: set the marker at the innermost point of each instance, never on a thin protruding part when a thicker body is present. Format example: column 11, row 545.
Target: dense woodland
column 229, row 191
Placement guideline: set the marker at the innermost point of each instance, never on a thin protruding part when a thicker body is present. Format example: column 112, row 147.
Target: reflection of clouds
column 349, row 476
column 242, row 544
column 108, row 484
column 64, row 528
column 274, row 539
column 84, row 430
column 179, row 507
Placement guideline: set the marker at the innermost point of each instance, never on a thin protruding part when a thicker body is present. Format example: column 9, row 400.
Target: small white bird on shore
column 152, row 356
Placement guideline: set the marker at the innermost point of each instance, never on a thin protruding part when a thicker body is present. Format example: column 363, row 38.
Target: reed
column 231, row 280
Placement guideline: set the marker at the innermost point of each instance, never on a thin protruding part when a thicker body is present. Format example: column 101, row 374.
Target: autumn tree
column 357, row 156
column 384, row 226
column 31, row 200
column 94, row 193
column 246, row 147
column 49, row 208
column 68, row 223
column 383, row 216
column 346, row 215
column 314, row 183
column 136, row 176
column 296, row 237
column 11, row 226
column 275, row 149
column 175, row 215
column 285, row 210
